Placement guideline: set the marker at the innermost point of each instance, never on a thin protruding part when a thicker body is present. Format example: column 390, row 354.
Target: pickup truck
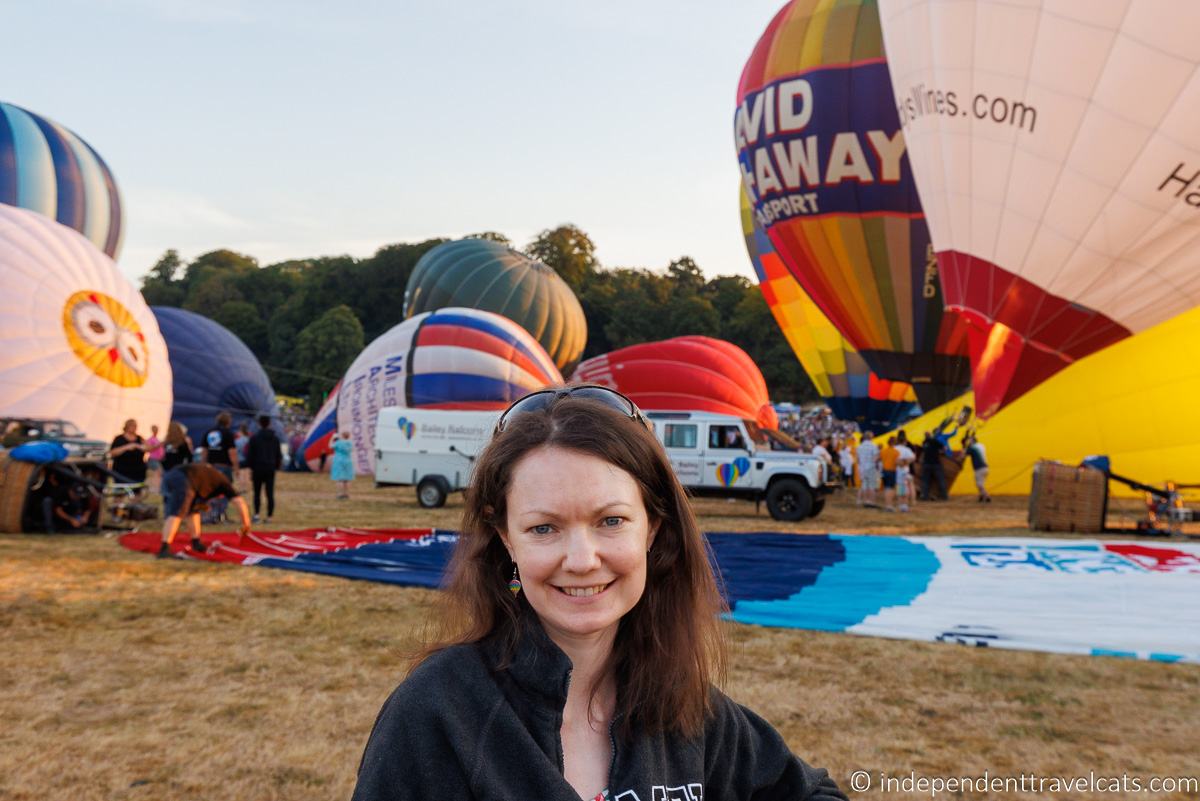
column 726, row 456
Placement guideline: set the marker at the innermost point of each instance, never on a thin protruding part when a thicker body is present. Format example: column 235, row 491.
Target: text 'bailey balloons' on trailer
column 453, row 358
column 80, row 344
column 48, row 169
column 690, row 373
column 1057, row 151
column 214, row 372
column 824, row 163
column 481, row 274
column 838, row 372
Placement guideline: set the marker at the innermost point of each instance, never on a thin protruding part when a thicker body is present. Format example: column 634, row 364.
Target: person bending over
column 187, row 489
column 580, row 635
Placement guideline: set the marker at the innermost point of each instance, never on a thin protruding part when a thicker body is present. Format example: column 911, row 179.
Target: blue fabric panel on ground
column 768, row 567
column 877, row 572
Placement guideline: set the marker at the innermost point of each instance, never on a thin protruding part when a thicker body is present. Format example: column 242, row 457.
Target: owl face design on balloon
column 106, row 338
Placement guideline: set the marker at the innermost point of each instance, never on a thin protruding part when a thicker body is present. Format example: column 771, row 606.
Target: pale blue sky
column 293, row 129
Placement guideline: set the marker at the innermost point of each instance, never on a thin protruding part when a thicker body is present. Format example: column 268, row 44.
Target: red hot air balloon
column 824, row 163
column 685, row 373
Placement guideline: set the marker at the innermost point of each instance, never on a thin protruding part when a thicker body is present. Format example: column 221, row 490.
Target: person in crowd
column 342, row 469
column 220, row 446
column 846, row 457
column 264, row 455
column 904, row 487
column 974, row 449
column 888, row 459
column 580, row 637
column 14, row 435
column 240, row 440
column 868, row 470
column 187, row 490
column 68, row 505
column 177, row 446
column 821, row 450
column 931, row 469
column 128, row 454
column 154, row 456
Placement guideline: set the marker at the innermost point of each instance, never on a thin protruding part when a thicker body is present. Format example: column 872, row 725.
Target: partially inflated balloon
column 838, row 372
column 448, row 359
column 80, row 344
column 480, row 274
column 1057, row 151
column 316, row 446
column 685, row 373
column 1127, row 402
column 823, row 161
column 214, row 372
column 48, row 169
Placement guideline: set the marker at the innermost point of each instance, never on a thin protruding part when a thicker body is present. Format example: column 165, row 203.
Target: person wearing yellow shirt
column 889, row 456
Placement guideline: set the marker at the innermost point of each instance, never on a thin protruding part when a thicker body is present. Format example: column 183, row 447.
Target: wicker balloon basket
column 15, row 478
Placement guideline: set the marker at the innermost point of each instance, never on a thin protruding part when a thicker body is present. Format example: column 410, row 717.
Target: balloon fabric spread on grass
column 452, row 358
column 823, row 162
column 837, row 370
column 213, row 371
column 691, row 373
column 1064, row 596
column 481, row 274
column 48, row 169
column 80, row 343
column 1057, row 151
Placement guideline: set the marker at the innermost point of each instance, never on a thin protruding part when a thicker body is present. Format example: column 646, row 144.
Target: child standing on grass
column 342, row 470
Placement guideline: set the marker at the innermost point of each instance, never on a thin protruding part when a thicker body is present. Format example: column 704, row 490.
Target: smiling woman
column 579, row 638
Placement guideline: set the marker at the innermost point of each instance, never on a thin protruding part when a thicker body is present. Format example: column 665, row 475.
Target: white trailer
column 431, row 449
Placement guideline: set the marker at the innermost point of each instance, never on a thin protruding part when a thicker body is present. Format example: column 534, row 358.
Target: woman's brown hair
column 176, row 434
column 669, row 648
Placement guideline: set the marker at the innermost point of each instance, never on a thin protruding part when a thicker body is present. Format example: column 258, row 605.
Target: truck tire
column 431, row 492
column 789, row 499
column 817, row 506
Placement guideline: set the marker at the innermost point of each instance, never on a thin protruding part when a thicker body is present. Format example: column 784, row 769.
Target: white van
column 431, row 449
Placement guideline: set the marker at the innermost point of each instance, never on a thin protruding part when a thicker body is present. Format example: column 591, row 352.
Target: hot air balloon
column 1057, row 151
column 214, row 372
column 823, row 162
column 453, row 358
column 691, row 373
column 1122, row 402
column 48, row 169
column 480, row 274
column 315, row 448
column 80, row 344
column 838, row 372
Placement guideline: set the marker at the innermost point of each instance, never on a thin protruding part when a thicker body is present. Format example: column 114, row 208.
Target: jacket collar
column 538, row 667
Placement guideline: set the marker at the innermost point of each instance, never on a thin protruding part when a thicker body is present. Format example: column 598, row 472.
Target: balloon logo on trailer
column 730, row 472
column 407, row 427
column 106, row 338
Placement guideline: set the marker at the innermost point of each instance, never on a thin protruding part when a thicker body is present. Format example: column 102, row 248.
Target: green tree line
column 306, row 320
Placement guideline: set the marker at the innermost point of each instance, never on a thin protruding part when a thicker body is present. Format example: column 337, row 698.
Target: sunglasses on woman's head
column 543, row 398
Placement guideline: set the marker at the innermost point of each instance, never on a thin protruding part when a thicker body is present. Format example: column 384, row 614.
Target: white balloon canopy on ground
column 80, row 343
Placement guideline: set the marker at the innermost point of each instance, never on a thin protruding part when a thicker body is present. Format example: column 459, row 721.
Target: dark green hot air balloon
column 481, row 274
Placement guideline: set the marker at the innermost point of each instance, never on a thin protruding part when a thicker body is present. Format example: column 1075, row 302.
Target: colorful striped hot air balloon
column 1057, row 149
column 840, row 375
column 452, row 358
column 214, row 372
column 685, row 373
column 48, row 169
column 823, row 162
column 480, row 274
column 315, row 448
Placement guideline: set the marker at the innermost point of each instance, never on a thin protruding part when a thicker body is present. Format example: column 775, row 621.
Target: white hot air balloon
column 80, row 343
column 1056, row 149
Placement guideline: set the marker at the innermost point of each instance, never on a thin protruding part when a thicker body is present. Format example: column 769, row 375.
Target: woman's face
column 579, row 532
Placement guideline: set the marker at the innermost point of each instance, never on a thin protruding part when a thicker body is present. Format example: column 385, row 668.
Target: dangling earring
column 514, row 586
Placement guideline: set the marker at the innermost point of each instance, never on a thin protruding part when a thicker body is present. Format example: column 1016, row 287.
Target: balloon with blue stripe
column 452, row 358
column 48, row 169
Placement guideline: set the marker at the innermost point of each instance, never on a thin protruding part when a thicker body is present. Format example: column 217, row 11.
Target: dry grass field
column 123, row 677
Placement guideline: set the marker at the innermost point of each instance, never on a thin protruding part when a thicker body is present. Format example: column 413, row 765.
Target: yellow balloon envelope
column 1132, row 402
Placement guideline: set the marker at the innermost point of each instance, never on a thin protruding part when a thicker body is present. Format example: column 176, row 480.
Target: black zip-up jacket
column 263, row 452
column 460, row 728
